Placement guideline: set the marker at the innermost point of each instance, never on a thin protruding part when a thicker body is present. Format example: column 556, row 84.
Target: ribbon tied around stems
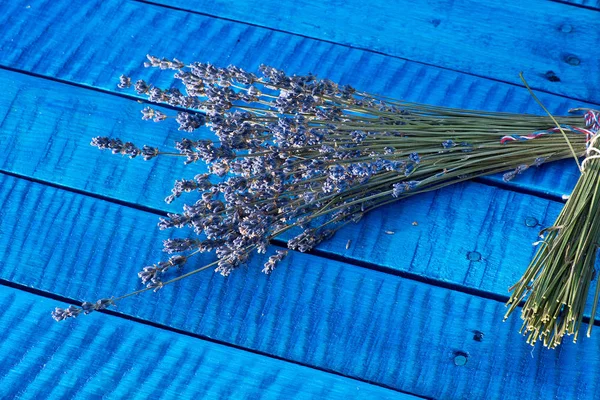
column 537, row 134
column 592, row 121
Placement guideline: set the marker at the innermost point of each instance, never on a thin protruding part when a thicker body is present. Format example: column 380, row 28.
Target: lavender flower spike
column 60, row 314
column 273, row 260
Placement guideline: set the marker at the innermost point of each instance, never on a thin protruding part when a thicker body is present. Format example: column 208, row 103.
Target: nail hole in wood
column 572, row 60
column 551, row 76
column 531, row 222
column 474, row 256
column 460, row 358
column 566, row 28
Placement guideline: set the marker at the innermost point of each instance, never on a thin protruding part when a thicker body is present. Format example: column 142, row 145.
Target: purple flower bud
column 190, row 122
column 273, row 260
column 124, row 82
column 403, row 187
column 414, row 157
column 60, row 314
column 447, row 144
column 141, row 87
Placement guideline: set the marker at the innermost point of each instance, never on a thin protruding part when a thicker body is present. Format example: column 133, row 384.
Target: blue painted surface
column 392, row 316
column 108, row 357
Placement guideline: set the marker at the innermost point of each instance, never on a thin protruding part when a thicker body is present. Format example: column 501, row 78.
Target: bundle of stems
column 300, row 154
column 558, row 280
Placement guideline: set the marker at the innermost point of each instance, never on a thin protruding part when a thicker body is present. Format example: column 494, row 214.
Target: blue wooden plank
column 451, row 223
column 354, row 321
column 108, row 357
column 544, row 39
column 39, row 39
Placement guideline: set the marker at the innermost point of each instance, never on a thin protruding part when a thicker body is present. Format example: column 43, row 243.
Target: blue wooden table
column 413, row 314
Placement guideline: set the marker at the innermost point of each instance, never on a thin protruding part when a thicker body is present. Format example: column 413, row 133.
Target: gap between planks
column 163, row 327
column 578, row 5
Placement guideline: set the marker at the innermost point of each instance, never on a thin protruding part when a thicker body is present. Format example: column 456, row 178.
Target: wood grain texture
column 538, row 37
column 65, row 42
column 338, row 317
column 355, row 321
column 53, row 147
column 106, row 357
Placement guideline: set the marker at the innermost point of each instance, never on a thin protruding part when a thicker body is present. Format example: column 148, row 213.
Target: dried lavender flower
column 273, row 260
column 116, row 146
column 124, row 82
column 60, row 314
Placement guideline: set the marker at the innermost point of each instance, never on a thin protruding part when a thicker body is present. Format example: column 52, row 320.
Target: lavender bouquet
column 306, row 155
column 558, row 280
